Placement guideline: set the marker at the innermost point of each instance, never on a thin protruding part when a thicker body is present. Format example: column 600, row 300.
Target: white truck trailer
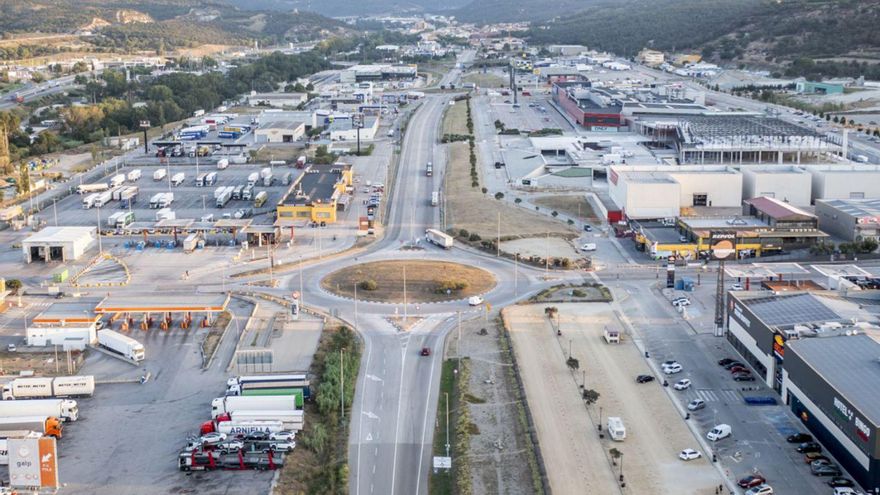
column 44, row 387
column 223, row 405
column 439, row 238
column 65, row 409
column 134, row 175
column 178, row 178
column 103, row 198
column 160, row 174
column 89, row 201
column 121, row 344
column 117, row 180
column 92, row 188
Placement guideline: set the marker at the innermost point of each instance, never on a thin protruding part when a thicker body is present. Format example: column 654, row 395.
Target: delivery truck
column 191, row 243
column 45, row 425
column 224, row 197
column 121, row 344
column 178, row 178
column 154, row 201
column 210, row 179
column 260, row 199
column 224, row 424
column 89, row 201
column 117, row 180
column 103, row 198
column 160, row 174
column 134, row 175
column 222, row 163
column 42, row 387
column 222, row 405
column 166, row 200
column 253, row 178
column 64, row 409
column 439, row 238
column 616, row 428
column 290, row 420
column 235, row 381
column 200, row 179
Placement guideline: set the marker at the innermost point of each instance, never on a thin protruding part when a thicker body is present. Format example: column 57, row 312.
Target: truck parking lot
column 189, row 201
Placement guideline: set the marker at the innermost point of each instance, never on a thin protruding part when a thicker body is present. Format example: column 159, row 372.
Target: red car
column 751, row 481
column 426, row 351
column 739, row 369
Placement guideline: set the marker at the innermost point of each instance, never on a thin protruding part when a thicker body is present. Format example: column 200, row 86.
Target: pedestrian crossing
column 711, row 395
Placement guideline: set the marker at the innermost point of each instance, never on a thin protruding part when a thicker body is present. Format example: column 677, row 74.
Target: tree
column 836, row 119
column 46, row 142
column 24, row 180
column 499, row 195
column 615, row 455
column 14, row 285
column 590, row 396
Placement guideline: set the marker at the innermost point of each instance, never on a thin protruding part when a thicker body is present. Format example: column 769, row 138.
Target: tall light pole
column 447, row 423
column 355, row 305
column 100, row 248
column 342, row 382
column 404, row 294
column 515, row 273
column 302, row 294
column 145, row 125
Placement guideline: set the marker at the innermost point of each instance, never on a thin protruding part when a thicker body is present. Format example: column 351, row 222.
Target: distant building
column 566, row 50
column 278, row 100
column 347, row 129
column 378, row 72
column 58, row 244
column 317, row 194
column 850, row 219
column 280, row 131
column 818, row 88
column 684, row 59
column 651, row 58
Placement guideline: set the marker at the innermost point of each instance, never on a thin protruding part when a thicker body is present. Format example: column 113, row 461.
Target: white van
column 588, row 247
column 719, row 432
column 616, row 428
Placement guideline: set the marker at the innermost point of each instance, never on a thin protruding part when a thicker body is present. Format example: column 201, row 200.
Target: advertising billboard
column 33, row 462
column 722, row 245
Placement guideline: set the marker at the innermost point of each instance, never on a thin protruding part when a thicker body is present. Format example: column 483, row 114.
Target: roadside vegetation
column 319, row 465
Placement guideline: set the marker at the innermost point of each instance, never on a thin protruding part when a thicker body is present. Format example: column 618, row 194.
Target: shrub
column 13, row 285
column 368, row 285
column 517, row 200
column 463, row 233
column 475, row 184
column 485, row 190
column 444, row 286
column 570, row 221
column 474, row 237
column 578, row 293
column 554, row 213
column 499, row 195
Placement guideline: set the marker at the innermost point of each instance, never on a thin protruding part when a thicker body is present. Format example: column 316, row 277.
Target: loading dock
column 58, row 244
column 124, row 307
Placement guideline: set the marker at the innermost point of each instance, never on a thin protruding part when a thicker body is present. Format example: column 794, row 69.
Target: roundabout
column 411, row 281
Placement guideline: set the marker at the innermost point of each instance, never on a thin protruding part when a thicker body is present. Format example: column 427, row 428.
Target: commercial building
column 68, row 325
column 566, row 50
column 650, row 58
column 317, row 194
column 788, row 183
column 825, row 367
column 845, row 181
column 279, row 100
column 378, row 72
column 850, row 219
column 280, row 131
column 592, row 108
column 347, row 129
column 818, row 88
column 655, row 191
column 58, row 244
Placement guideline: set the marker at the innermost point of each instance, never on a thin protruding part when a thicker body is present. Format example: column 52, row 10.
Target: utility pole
column 355, row 305
column 342, row 383
column 498, row 243
column 100, row 248
column 404, row 294
column 515, row 273
column 459, row 339
column 447, row 423
column 302, row 293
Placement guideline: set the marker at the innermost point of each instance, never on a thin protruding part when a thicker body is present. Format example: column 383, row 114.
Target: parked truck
column 235, row 381
column 253, row 178
column 301, row 162
column 190, row 243
column 616, row 429
column 89, row 201
column 224, row 424
column 92, row 188
column 4, row 446
column 117, row 180
column 247, row 193
column 222, row 405
column 290, row 420
column 166, row 200
column 45, row 425
column 123, row 345
column 439, row 238
column 134, row 175
column 103, row 198
column 65, row 409
column 200, row 179
column 224, row 197
column 210, row 179
column 42, row 387
column 298, row 389
column 267, row 176
column 124, row 220
column 165, row 214
column 222, row 163
column 160, row 174
column 111, row 220
column 260, row 199
column 178, row 178
column 435, row 198
column 154, row 201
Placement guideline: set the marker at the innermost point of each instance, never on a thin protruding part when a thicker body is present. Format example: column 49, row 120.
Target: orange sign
column 48, row 463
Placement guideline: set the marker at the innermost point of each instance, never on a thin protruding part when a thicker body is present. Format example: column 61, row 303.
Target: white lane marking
column 357, row 489
column 369, row 414
column 397, row 426
column 425, row 423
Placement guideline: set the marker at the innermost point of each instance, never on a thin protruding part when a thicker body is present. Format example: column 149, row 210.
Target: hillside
column 347, row 8
column 155, row 25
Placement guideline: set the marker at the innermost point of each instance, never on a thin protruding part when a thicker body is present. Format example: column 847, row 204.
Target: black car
column 725, row 361
column 799, row 438
column 257, row 435
column 809, row 447
column 840, row 481
column 743, row 377
column 732, row 364
column 826, row 470
column 644, row 379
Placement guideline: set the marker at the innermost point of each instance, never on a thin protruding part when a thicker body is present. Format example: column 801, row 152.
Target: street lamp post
column 144, row 125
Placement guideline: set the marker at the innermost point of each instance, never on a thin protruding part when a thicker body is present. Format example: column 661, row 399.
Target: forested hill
column 343, row 8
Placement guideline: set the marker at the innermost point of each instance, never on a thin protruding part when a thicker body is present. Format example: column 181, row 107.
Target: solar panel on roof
column 791, row 310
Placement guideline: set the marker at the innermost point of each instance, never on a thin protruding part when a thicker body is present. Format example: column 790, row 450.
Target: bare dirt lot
column 455, row 120
column 468, row 208
column 541, row 247
column 577, row 460
column 575, row 206
column 423, row 279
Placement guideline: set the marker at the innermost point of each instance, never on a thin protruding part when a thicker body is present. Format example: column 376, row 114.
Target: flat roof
column 82, row 311
column 764, row 270
column 62, row 234
column 859, row 208
column 645, row 177
column 282, row 124
column 850, row 365
column 849, row 270
column 791, row 309
column 317, row 184
column 163, row 302
column 724, row 223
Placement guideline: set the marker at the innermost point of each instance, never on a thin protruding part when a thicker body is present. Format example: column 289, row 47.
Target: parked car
column 682, row 384
column 644, row 379
column 751, row 481
column 799, row 438
column 672, row 369
column 826, row 470
column 475, row 300
column 760, row 490
column 257, row 435
column 719, row 432
column 426, row 351
column 809, row 447
column 840, row 481
column 725, row 361
column 212, row 438
column 281, row 446
column 732, row 364
column 286, row 435
column 590, row 246
column 10, row 348
column 588, row 228
column 824, row 461
column 845, row 490
column 743, row 377
column 739, row 369
column 696, row 405
column 668, row 363
column 681, row 301
column 736, row 287
column 809, row 457
column 689, row 454
column 230, row 446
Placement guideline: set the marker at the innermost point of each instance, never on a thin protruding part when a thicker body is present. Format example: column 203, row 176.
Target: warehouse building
column 785, row 182
column 278, row 100
column 845, row 181
column 656, row 191
column 592, row 108
column 280, row 131
column 58, row 244
column 68, row 325
column 818, row 88
column 850, row 219
column 378, row 72
column 825, row 367
column 347, row 129
column 317, row 194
